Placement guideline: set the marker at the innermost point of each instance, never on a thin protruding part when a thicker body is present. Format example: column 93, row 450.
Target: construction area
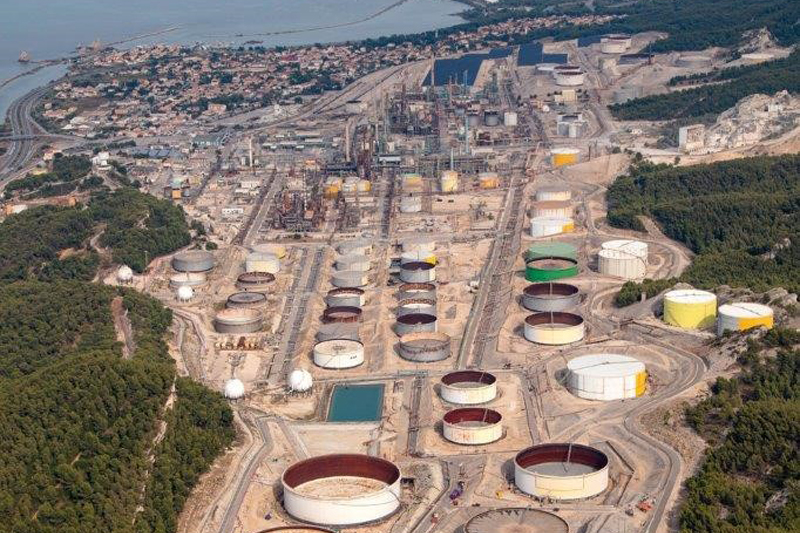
column 410, row 303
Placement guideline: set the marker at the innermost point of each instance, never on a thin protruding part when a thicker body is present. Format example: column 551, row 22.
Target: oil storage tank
column 515, row 520
column 415, row 306
column 553, row 193
column 690, row 308
column 347, row 279
column 550, row 297
column 416, row 323
column 251, row 300
column 561, row 471
column 262, row 262
column 355, row 246
column 415, row 256
column 410, row 291
column 606, row 377
column 624, row 258
column 238, row 321
column 193, row 261
column 187, row 279
column 448, row 182
column 341, row 489
column 554, row 328
column 551, row 249
column 254, row 281
column 564, row 156
column 424, row 347
column 338, row 330
column 418, row 272
column 472, row 426
column 338, row 353
column 549, row 226
column 353, row 262
column 552, row 209
column 468, row 387
column 349, row 297
column 568, row 78
column 615, row 44
column 741, row 316
column 550, row 268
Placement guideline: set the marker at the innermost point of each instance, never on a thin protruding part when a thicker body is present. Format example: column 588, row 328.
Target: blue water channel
column 356, row 403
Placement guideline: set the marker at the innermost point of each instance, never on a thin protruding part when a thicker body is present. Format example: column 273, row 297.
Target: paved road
column 22, row 125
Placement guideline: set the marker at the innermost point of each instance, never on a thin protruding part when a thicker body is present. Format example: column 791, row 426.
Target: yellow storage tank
column 331, row 191
column 564, row 156
column 364, row 186
column 690, row 308
column 411, row 182
column 488, row 180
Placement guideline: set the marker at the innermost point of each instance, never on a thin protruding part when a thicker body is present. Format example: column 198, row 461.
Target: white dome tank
column 184, row 293
column 606, row 377
column 124, row 274
column 234, row 389
column 300, row 380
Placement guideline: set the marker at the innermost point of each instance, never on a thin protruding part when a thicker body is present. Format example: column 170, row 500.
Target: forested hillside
column 77, row 420
column 724, row 89
column 741, row 218
column 748, row 481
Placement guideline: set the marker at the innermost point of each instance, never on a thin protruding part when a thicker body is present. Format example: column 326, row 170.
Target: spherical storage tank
column 625, row 259
column 554, row 328
column 468, row 387
column 448, row 181
column 234, row 389
column 552, row 208
column 690, row 308
column 741, row 316
column 184, row 293
column 300, row 380
column 561, row 471
column 341, row 489
column 238, row 321
column 553, row 193
column 338, row 353
column 550, row 268
column 516, row 520
column 564, row 156
column 550, row 297
column 606, row 377
column 124, row 274
column 472, row 425
column 262, row 262
column 418, row 272
column 548, row 226
column 424, row 347
column 193, row 261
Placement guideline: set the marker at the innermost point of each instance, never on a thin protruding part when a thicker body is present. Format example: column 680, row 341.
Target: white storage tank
column 472, row 426
column 510, row 119
column 234, row 389
column 561, row 471
column 552, row 209
column 356, row 246
column 741, row 316
column 623, row 258
column 554, row 193
column 184, row 293
column 554, row 328
column 124, row 274
column 606, row 377
column 188, row 279
column 547, row 226
column 338, row 353
column 300, row 380
column 615, row 44
column 349, row 279
column 418, row 272
column 262, row 262
column 569, row 78
column 468, row 387
column 357, row 262
column 419, row 245
column 417, row 256
column 341, row 489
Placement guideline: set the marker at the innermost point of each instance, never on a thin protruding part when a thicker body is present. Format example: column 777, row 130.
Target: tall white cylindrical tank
column 554, row 193
column 338, row 353
column 623, row 259
column 741, row 316
column 349, row 279
column 569, row 78
column 552, row 209
column 468, row 387
column 472, row 426
column 561, row 471
column 448, row 182
column 615, row 44
column 510, row 119
column 262, row 262
column 417, row 256
column 690, row 308
column 357, row 262
column 418, row 272
column 193, row 261
column 606, row 377
column 341, row 489
column 410, row 204
column 547, row 226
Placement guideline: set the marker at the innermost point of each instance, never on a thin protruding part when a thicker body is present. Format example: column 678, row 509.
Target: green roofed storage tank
column 551, row 249
column 550, row 268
